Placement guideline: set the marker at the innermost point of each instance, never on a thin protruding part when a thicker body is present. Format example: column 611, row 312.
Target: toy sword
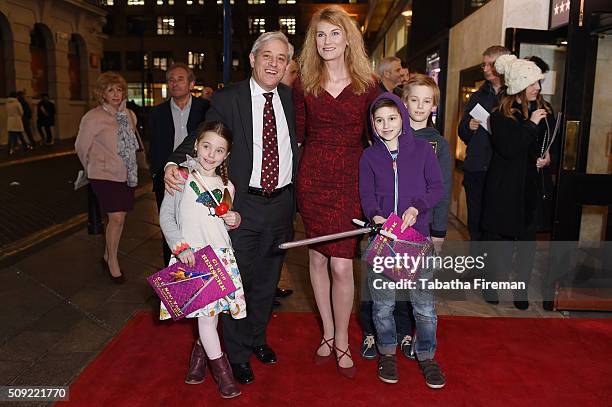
column 365, row 228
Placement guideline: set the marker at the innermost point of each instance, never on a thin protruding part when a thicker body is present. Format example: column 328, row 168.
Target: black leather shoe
column 265, row 354
column 283, row 292
column 243, row 372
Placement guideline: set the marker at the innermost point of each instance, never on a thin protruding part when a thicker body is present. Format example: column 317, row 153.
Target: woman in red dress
column 331, row 100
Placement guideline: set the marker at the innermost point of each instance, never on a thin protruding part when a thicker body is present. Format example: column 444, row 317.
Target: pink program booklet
column 185, row 289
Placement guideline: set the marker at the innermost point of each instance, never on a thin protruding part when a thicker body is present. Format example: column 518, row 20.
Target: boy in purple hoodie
column 401, row 174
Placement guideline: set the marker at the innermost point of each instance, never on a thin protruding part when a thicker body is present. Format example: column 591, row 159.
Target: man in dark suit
column 262, row 166
column 170, row 123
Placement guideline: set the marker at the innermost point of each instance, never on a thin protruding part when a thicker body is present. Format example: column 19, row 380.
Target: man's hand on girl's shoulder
column 173, row 179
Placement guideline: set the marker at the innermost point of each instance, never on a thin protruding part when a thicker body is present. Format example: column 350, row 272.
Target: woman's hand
column 409, row 217
column 538, row 115
column 187, row 257
column 173, row 179
column 543, row 162
column 232, row 219
column 473, row 124
column 379, row 220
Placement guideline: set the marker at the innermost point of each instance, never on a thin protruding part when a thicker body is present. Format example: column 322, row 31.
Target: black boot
column 222, row 373
column 197, row 364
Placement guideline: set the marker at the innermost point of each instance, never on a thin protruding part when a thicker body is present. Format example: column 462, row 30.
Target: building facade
column 52, row 47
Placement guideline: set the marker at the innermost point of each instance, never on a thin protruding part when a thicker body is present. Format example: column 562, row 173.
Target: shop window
column 257, row 25
column 193, row 2
column 195, row 60
column 221, row 1
column 38, row 62
column 135, row 2
column 286, row 1
column 108, row 2
column 287, row 25
column 256, row 1
column 165, row 25
column 165, row 2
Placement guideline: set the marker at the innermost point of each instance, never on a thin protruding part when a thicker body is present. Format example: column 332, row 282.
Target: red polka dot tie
column 269, row 162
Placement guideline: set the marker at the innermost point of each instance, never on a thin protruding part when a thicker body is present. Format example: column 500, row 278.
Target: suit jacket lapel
column 170, row 129
column 245, row 110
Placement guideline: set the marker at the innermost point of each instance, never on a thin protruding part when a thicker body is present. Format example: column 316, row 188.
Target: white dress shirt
column 180, row 118
column 285, row 155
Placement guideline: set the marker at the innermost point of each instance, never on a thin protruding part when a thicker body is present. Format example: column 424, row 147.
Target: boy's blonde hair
column 421, row 80
column 312, row 71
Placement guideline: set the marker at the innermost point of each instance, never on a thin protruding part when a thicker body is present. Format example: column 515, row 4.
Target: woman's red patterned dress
column 332, row 130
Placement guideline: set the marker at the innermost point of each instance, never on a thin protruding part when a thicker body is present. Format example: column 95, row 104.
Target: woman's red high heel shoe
column 318, row 359
column 348, row 372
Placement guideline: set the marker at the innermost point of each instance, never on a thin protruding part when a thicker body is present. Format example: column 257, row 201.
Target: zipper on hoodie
column 395, row 182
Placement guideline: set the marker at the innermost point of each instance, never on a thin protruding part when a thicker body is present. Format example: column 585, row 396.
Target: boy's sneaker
column 406, row 347
column 433, row 374
column 387, row 368
column 368, row 347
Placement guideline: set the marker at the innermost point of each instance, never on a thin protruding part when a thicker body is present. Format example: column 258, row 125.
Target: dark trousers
column 506, row 254
column 266, row 223
column 28, row 131
column 159, row 189
column 473, row 182
column 402, row 314
column 45, row 132
column 12, row 140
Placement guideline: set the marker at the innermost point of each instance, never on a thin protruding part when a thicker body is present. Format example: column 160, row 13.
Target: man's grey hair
column 269, row 36
column 385, row 64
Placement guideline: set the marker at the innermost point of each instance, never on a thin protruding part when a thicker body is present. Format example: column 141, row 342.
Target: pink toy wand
column 366, row 228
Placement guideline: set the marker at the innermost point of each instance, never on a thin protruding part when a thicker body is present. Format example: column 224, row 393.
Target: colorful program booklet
column 410, row 244
column 184, row 289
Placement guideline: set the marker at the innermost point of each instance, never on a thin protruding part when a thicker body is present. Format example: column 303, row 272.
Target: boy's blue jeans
column 424, row 308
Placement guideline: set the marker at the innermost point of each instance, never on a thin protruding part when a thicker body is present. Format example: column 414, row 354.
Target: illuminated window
column 256, row 1
column 221, row 1
column 165, row 2
column 135, row 3
column 161, row 60
column 192, row 2
column 165, row 25
column 286, row 1
column 195, row 60
column 108, row 2
column 257, row 25
column 287, row 24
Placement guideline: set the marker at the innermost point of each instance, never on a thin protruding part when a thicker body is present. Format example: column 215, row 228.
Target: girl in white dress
column 189, row 222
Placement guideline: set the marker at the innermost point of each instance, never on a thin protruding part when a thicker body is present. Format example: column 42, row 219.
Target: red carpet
column 487, row 361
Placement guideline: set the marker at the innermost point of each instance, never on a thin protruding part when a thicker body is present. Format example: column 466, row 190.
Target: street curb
column 22, row 245
column 26, row 160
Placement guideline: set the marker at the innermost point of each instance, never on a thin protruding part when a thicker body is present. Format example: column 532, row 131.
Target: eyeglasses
column 483, row 66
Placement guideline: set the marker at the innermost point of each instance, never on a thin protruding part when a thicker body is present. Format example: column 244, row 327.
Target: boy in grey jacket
column 421, row 97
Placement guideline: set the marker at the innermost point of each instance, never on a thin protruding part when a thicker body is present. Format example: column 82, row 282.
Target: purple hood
column 413, row 180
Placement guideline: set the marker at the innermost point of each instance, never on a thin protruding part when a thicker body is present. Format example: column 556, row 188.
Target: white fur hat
column 518, row 73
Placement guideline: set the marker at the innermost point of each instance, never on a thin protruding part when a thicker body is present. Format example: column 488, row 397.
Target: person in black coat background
column 170, row 123
column 512, row 186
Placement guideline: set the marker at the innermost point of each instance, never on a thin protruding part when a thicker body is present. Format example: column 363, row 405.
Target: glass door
column 582, row 258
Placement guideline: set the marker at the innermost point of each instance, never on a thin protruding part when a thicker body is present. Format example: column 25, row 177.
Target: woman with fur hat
column 512, row 186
